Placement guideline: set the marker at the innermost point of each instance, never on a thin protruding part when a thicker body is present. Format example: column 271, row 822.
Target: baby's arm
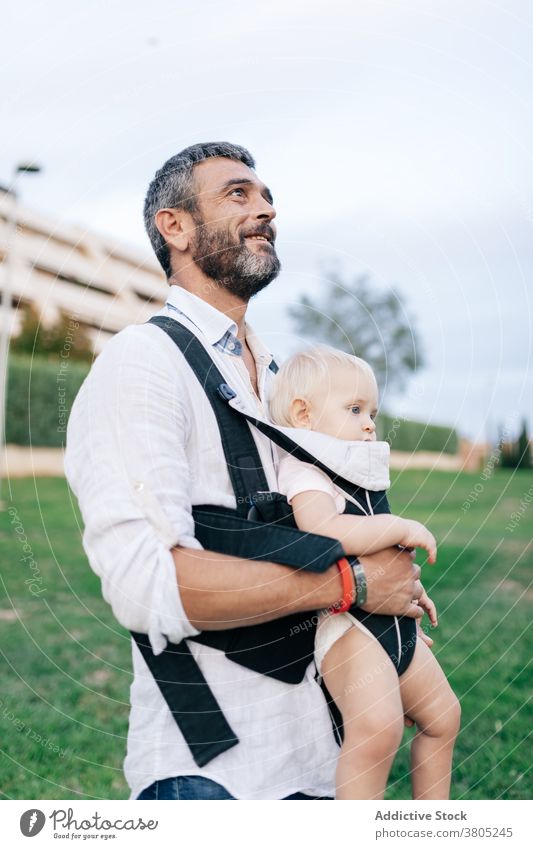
column 315, row 512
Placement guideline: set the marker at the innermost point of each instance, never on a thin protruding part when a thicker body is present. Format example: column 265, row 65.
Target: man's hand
column 393, row 583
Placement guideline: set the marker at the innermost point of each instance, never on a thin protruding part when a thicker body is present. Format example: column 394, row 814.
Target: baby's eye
column 355, row 410
column 373, row 416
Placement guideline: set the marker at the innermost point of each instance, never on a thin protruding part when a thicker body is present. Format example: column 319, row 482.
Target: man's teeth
column 263, row 238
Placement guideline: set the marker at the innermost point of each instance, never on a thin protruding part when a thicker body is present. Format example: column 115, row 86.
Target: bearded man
column 143, row 447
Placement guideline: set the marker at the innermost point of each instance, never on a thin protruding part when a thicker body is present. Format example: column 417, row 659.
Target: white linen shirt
column 142, row 447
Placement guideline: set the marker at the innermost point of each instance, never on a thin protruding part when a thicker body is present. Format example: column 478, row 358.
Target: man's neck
column 219, row 298
column 222, row 300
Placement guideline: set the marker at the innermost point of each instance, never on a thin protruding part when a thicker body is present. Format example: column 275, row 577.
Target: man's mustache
column 261, row 230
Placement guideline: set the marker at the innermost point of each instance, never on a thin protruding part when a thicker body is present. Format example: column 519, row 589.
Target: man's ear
column 300, row 413
column 176, row 226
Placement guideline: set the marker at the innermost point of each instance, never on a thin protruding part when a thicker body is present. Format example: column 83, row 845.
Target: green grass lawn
column 65, row 662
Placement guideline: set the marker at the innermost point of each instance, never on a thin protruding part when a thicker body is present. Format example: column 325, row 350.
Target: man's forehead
column 213, row 173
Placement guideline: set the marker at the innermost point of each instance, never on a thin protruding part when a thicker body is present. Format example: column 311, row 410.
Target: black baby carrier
column 261, row 527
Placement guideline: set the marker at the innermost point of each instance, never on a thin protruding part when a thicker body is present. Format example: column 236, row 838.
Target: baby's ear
column 300, row 413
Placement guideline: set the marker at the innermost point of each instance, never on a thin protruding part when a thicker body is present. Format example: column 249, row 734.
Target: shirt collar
column 213, row 324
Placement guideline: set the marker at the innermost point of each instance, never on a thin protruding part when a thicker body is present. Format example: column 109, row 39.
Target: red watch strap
column 348, row 587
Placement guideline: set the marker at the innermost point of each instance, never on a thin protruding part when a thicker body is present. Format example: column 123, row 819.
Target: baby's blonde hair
column 303, row 374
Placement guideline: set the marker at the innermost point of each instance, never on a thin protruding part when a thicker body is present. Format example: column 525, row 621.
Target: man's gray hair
column 172, row 187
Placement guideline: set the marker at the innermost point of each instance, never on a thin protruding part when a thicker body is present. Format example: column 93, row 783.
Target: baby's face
column 346, row 406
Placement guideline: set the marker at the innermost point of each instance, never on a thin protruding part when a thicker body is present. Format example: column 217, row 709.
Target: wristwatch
column 359, row 579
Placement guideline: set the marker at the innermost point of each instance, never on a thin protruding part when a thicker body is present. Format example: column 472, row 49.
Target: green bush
column 39, row 397
column 41, row 392
column 403, row 435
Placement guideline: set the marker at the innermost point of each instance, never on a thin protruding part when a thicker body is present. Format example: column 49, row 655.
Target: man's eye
column 355, row 410
column 239, row 191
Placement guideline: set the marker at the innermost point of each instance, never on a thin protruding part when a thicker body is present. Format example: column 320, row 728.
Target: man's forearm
column 219, row 591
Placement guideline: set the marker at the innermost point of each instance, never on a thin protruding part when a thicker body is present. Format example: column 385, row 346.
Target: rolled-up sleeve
column 126, row 463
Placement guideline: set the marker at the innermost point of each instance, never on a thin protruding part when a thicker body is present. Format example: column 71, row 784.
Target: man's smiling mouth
column 263, row 235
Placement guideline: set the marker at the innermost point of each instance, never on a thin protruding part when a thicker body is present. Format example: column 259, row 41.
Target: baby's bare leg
column 431, row 703
column 364, row 685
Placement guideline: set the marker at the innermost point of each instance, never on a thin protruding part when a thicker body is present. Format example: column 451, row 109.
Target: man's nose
column 264, row 210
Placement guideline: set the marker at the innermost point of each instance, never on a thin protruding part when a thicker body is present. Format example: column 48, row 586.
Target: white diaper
column 331, row 627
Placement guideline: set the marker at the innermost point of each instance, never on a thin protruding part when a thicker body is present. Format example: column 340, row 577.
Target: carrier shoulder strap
column 242, row 457
column 189, row 698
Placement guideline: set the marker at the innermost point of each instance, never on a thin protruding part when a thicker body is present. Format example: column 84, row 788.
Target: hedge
column 41, row 392
column 39, row 397
column 405, row 435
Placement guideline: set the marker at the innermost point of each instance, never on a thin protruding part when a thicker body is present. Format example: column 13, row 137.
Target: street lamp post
column 7, row 289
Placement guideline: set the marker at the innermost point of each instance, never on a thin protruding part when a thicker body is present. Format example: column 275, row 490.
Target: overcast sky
column 396, row 137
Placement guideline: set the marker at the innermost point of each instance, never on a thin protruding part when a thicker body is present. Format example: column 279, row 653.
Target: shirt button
column 231, row 346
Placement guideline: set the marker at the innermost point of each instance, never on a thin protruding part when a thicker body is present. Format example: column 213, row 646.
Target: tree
column 29, row 336
column 523, row 448
column 517, row 454
column 64, row 335
column 361, row 319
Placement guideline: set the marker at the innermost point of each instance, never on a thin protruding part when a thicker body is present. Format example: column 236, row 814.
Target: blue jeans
column 195, row 787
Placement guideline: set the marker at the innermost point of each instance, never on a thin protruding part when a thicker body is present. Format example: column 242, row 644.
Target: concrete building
column 57, row 266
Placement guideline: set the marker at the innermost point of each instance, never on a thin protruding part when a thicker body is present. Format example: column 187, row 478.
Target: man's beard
column 231, row 263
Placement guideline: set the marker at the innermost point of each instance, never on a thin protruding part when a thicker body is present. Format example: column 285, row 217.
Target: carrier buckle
column 226, row 392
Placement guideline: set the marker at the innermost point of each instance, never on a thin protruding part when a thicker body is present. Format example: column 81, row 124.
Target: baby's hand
column 417, row 535
column 427, row 604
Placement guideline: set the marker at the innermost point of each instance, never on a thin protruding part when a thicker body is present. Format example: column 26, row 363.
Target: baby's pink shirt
column 295, row 477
